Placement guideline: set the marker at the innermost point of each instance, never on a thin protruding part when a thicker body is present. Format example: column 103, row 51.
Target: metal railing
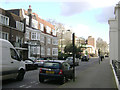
column 116, row 65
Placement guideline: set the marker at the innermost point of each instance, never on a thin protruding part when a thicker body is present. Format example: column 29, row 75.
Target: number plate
column 50, row 72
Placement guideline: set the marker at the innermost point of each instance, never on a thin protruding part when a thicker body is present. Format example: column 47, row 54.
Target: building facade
column 91, row 44
column 114, row 34
column 40, row 36
column 12, row 28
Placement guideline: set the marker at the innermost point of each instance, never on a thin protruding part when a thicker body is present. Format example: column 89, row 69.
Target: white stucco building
column 114, row 34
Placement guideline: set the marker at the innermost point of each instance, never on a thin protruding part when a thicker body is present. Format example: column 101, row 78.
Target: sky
column 85, row 17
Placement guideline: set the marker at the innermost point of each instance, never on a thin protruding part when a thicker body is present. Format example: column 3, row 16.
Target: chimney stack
column 30, row 16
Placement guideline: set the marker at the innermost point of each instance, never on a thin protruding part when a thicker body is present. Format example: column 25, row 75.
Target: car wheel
column 20, row 75
column 63, row 80
column 41, row 80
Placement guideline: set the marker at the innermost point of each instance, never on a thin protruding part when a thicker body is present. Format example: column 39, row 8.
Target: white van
column 11, row 66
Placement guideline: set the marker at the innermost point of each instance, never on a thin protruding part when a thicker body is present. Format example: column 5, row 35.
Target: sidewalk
column 97, row 76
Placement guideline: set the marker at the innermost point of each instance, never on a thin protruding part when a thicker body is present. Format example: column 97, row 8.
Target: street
column 31, row 78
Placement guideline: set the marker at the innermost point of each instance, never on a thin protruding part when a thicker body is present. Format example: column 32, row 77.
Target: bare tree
column 102, row 45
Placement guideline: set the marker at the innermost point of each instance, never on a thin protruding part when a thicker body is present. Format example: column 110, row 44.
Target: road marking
column 29, row 87
column 22, row 86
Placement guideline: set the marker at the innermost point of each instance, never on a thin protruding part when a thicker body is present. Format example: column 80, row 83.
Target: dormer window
column 20, row 26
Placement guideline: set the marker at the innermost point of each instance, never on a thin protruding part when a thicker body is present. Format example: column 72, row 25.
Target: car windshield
column 69, row 58
column 52, row 65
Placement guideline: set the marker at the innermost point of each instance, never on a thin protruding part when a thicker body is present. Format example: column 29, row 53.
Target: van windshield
column 52, row 65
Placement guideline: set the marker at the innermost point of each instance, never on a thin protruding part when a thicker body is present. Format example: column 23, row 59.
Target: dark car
column 56, row 70
column 30, row 65
column 85, row 58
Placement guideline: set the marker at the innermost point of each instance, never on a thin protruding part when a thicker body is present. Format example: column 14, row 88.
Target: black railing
column 116, row 65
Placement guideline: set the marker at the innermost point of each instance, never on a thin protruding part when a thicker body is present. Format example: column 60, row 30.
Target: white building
column 114, row 34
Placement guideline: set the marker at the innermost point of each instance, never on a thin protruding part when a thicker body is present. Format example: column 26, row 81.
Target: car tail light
column 40, row 70
column 61, row 72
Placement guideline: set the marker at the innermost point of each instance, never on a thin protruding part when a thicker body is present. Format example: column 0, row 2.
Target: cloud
column 82, row 30
column 71, row 8
column 106, row 13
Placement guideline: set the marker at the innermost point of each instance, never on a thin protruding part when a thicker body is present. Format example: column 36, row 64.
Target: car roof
column 57, row 61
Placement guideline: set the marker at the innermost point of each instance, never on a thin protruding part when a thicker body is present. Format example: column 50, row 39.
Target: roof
column 59, row 61
column 41, row 20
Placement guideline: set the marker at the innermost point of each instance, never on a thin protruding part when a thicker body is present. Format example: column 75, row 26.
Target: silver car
column 70, row 61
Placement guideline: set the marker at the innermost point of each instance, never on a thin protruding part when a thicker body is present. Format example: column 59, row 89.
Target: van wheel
column 20, row 75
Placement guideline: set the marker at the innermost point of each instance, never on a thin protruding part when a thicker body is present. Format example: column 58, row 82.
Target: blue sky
column 86, row 17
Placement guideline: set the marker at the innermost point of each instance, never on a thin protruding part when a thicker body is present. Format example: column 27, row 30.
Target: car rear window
column 52, row 65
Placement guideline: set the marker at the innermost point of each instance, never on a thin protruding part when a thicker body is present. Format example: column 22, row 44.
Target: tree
column 102, row 45
column 69, row 49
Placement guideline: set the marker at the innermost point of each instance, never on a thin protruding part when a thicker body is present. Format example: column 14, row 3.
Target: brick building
column 12, row 28
column 91, row 47
column 40, row 35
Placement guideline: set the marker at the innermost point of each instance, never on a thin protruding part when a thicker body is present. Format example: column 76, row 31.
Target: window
column 49, row 40
column 48, row 29
column 4, row 35
column 38, row 49
column 42, row 38
column 38, row 36
column 34, row 50
column 34, row 23
column 48, row 51
column 4, row 19
column 51, row 65
column 27, row 35
column 19, row 41
column 54, row 32
column 41, row 27
column 42, row 50
column 55, row 51
column 14, row 54
column 33, row 37
column 55, row 41
column 19, row 26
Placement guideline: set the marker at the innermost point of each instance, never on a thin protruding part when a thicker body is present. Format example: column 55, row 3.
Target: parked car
column 85, row 58
column 55, row 70
column 40, row 62
column 30, row 65
column 11, row 64
column 70, row 61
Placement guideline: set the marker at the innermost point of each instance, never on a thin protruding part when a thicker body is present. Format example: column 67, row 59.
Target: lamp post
column 73, row 37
